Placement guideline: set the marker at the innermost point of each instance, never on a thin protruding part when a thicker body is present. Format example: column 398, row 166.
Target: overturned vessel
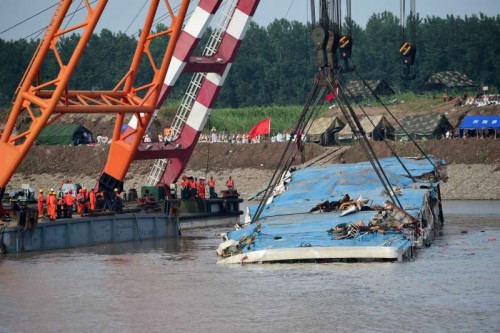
column 311, row 216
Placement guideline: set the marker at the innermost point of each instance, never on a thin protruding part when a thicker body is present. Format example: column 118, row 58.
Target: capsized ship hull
column 302, row 224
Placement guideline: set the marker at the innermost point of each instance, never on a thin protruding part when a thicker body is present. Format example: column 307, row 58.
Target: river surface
column 175, row 285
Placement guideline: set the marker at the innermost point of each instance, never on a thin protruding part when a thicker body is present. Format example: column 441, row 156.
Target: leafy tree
column 275, row 64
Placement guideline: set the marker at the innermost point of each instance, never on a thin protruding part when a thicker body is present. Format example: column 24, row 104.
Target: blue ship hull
column 288, row 231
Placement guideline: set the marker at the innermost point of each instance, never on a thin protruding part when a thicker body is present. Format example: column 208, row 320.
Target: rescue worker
column 52, row 205
column 92, row 200
column 230, row 183
column 191, row 187
column 69, row 200
column 117, row 201
column 47, row 200
column 61, row 207
column 195, row 188
column 184, row 187
column 201, row 188
column 86, row 205
column 100, row 200
column 40, row 200
column 211, row 187
column 80, row 202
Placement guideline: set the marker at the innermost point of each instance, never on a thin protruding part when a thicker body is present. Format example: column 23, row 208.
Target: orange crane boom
column 45, row 102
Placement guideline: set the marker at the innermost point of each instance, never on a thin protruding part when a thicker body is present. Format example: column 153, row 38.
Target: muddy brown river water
column 176, row 286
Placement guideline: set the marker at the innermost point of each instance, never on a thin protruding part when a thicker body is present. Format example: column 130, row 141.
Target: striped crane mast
column 210, row 71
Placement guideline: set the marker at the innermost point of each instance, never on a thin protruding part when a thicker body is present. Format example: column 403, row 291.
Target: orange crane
column 46, row 101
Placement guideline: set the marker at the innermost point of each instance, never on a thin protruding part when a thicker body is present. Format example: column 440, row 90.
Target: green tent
column 359, row 90
column 323, row 129
column 64, row 134
column 376, row 128
column 424, row 127
column 448, row 81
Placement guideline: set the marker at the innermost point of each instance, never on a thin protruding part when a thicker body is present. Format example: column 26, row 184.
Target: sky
column 120, row 13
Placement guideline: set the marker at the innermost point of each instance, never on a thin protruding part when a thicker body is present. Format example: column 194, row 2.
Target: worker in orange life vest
column 201, row 188
column 52, row 205
column 92, row 200
column 80, row 202
column 68, row 200
column 40, row 203
column 211, row 187
column 47, row 200
column 230, row 183
column 86, row 205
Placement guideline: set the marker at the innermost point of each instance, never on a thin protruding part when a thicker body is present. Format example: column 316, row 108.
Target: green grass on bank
column 283, row 118
column 243, row 119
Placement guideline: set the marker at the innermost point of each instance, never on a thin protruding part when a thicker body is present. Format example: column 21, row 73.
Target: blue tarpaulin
column 480, row 122
column 287, row 222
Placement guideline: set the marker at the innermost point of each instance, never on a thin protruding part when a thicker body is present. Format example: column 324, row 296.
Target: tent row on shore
column 333, row 130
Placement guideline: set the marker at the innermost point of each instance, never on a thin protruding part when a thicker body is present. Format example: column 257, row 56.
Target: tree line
column 276, row 64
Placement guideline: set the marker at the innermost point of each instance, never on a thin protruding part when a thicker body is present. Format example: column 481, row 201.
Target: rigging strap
column 394, row 118
column 359, row 133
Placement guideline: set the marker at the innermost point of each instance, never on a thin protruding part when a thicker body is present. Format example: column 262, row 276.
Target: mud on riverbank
column 473, row 165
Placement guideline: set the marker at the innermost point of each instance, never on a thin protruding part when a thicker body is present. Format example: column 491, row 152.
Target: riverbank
column 465, row 181
column 473, row 165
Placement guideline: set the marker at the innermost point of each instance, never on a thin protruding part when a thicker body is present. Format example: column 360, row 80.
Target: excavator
column 44, row 101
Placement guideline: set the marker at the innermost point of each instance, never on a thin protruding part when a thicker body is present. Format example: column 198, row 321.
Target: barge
column 28, row 233
column 311, row 216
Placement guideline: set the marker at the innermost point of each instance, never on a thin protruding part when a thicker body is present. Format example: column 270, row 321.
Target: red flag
column 330, row 97
column 262, row 127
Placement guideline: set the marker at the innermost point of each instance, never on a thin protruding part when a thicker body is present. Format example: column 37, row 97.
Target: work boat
column 341, row 212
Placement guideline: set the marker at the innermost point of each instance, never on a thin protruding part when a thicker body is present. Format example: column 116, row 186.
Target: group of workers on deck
column 62, row 205
column 193, row 188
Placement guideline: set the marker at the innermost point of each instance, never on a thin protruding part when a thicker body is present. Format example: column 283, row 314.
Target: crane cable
column 394, row 118
column 376, row 129
column 274, row 179
column 408, row 26
column 27, row 19
column 359, row 133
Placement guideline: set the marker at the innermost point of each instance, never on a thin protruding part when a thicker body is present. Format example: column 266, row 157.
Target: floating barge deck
column 113, row 228
column 288, row 231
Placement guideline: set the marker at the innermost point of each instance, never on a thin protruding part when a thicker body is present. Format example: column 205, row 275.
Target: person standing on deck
column 68, row 200
column 92, row 200
column 86, row 205
column 230, row 183
column 40, row 203
column 117, row 205
column 61, row 206
column 52, row 205
column 201, row 188
column 47, row 200
column 211, row 187
column 80, row 202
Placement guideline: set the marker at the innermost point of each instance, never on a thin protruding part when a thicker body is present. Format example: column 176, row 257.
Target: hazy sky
column 119, row 13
